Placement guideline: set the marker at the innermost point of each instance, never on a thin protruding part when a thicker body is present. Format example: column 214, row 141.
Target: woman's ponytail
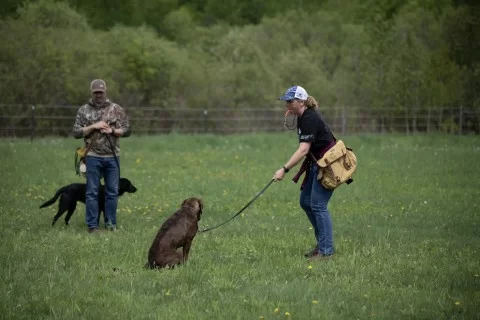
column 311, row 103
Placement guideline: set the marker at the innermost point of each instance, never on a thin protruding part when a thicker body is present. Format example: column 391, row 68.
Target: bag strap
column 87, row 148
column 76, row 162
column 310, row 153
column 334, row 139
column 112, row 147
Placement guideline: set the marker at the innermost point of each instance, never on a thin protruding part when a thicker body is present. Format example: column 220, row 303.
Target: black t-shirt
column 311, row 128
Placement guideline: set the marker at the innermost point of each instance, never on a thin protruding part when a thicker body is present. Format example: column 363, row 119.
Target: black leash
column 114, row 155
column 245, row 207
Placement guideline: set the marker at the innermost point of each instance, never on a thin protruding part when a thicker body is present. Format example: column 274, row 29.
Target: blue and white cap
column 295, row 92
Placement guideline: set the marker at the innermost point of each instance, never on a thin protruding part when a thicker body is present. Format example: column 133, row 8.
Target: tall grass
column 406, row 233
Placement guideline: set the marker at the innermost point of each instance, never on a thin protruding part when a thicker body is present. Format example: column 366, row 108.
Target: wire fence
column 57, row 120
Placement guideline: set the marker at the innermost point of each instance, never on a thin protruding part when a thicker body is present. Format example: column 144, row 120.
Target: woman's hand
column 279, row 174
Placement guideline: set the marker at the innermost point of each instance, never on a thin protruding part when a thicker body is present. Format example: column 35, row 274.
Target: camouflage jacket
column 97, row 142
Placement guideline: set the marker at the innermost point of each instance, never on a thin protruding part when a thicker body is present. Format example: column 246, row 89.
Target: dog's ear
column 200, row 208
column 121, row 187
column 183, row 202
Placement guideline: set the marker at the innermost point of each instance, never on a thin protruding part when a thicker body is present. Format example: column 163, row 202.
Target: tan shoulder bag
column 337, row 166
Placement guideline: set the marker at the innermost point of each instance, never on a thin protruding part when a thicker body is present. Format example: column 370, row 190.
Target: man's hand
column 101, row 125
column 107, row 131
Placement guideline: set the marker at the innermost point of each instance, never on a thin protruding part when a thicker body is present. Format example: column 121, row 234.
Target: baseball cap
column 98, row 85
column 295, row 92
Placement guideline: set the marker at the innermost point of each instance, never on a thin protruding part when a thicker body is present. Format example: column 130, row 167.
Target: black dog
column 71, row 194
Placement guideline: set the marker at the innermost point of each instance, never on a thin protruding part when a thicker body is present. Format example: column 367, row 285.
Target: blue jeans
column 98, row 167
column 314, row 201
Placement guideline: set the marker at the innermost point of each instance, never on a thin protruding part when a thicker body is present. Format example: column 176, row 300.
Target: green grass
column 406, row 233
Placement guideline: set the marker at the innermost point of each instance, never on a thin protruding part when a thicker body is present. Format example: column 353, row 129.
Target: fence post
column 33, row 124
column 460, row 129
column 205, row 114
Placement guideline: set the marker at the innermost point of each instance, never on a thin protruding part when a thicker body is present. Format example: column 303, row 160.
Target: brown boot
column 312, row 252
column 320, row 256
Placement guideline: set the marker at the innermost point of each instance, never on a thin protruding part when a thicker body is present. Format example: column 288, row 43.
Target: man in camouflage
column 101, row 123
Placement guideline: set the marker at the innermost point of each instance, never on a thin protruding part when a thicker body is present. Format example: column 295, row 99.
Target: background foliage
column 414, row 58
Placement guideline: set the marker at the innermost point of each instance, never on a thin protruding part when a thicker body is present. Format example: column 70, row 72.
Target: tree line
column 391, row 59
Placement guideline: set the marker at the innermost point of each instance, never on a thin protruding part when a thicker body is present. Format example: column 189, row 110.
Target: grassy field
column 406, row 233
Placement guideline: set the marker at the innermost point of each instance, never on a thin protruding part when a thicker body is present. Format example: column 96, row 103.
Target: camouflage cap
column 98, row 85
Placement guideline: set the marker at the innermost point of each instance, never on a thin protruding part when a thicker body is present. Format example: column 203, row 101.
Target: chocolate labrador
column 176, row 232
column 71, row 194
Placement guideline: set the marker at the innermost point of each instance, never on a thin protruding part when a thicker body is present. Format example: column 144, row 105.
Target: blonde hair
column 311, row 103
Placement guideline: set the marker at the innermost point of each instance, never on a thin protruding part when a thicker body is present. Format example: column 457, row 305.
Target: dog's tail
column 55, row 197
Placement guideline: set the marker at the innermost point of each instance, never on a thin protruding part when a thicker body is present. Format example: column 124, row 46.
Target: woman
column 315, row 138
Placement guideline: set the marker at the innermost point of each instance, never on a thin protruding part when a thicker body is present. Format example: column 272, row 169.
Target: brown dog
column 178, row 231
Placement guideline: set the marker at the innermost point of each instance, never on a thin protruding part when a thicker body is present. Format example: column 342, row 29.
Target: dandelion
column 138, row 161
column 277, row 310
column 167, row 293
column 309, row 267
column 287, row 314
column 314, row 302
column 457, row 303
